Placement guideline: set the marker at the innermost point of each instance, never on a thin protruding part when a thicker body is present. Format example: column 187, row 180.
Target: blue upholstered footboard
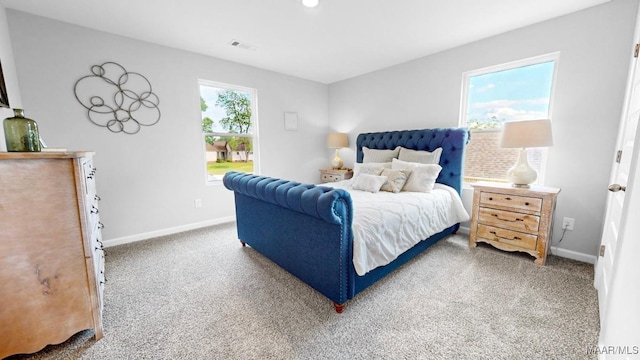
column 306, row 229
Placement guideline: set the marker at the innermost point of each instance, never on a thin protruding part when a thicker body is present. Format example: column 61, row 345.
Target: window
column 520, row 90
column 228, row 129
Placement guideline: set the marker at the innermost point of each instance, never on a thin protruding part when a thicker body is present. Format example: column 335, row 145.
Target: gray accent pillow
column 379, row 156
column 395, row 180
column 420, row 156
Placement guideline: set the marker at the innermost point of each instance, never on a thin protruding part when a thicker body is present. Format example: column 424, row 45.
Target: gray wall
column 595, row 47
column 148, row 181
column 9, row 72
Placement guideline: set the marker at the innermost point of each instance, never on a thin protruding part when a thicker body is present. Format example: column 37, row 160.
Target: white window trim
column 555, row 57
column 254, row 126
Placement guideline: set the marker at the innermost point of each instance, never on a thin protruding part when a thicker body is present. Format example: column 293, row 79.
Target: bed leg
column 339, row 307
column 243, row 243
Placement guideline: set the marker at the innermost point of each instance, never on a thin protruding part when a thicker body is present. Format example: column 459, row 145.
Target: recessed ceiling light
column 310, row 3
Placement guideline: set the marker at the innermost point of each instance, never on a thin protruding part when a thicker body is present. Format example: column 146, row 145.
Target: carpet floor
column 201, row 295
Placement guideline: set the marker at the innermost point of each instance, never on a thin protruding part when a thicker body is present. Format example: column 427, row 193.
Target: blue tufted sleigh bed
column 308, row 230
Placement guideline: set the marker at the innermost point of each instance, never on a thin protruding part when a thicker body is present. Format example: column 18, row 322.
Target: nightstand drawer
column 333, row 175
column 506, row 201
column 330, row 177
column 509, row 220
column 515, row 238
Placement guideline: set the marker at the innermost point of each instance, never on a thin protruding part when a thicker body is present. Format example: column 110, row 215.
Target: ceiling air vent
column 241, row 45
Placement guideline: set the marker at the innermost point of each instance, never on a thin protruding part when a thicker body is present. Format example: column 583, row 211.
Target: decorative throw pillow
column 358, row 167
column 370, row 183
column 420, row 156
column 395, row 180
column 423, row 176
column 379, row 156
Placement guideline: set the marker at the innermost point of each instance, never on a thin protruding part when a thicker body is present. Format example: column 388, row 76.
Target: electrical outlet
column 197, row 203
column 567, row 223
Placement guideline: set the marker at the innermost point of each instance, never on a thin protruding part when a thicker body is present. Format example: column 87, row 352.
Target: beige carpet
column 200, row 295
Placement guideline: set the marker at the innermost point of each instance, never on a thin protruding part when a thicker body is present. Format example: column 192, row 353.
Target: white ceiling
column 337, row 40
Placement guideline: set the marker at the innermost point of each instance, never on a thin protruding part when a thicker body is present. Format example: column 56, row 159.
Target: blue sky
column 516, row 94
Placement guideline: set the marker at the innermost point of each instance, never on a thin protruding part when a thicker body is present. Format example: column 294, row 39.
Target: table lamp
column 337, row 141
column 525, row 134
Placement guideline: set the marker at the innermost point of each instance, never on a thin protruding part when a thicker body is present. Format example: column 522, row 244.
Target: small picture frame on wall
column 4, row 99
column 290, row 121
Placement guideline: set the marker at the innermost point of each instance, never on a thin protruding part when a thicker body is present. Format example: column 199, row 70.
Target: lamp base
column 336, row 162
column 521, row 174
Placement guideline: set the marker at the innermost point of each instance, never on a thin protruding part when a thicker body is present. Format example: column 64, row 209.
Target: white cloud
column 510, row 114
column 511, row 109
column 485, row 88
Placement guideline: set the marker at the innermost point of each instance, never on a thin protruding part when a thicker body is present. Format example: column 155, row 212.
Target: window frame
column 254, row 126
column 464, row 100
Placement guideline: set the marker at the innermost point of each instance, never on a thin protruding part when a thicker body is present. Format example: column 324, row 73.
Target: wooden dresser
column 513, row 219
column 51, row 256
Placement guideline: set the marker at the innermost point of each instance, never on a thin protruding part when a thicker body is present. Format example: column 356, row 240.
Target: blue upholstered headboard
column 452, row 140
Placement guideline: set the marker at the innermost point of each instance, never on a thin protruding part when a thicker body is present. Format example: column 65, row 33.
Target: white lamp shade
column 337, row 141
column 526, row 133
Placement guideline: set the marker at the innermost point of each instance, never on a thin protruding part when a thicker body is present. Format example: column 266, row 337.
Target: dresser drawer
column 509, row 220
column 515, row 238
column 506, row 201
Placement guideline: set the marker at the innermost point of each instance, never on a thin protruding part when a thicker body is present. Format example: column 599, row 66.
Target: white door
column 618, row 268
column 619, row 181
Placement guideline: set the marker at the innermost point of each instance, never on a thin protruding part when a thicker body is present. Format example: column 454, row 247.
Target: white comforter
column 386, row 224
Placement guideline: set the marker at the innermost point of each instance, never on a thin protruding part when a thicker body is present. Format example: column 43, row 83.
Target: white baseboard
column 168, row 231
column 591, row 259
column 463, row 230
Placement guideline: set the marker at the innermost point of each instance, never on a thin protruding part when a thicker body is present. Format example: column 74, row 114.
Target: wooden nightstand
column 513, row 219
column 331, row 175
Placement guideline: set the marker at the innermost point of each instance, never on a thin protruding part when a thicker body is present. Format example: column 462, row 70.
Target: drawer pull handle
column 100, row 225
column 498, row 217
column 94, row 210
column 500, row 237
column 507, row 198
column 97, row 198
column 490, row 199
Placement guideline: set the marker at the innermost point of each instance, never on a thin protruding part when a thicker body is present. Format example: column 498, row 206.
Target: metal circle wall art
column 117, row 99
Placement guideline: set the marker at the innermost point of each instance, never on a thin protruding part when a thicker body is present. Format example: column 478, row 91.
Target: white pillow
column 358, row 167
column 420, row 156
column 379, row 156
column 422, row 178
column 370, row 183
